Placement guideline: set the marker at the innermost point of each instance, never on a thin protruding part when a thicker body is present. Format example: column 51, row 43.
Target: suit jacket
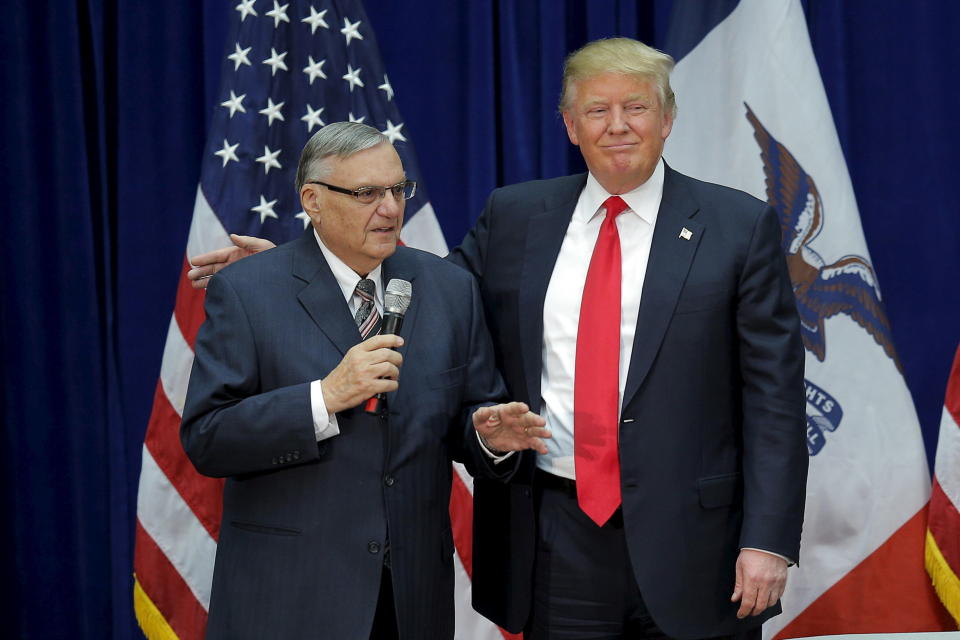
column 712, row 446
column 305, row 524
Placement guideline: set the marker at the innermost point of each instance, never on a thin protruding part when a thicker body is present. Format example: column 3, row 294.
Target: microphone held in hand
column 396, row 301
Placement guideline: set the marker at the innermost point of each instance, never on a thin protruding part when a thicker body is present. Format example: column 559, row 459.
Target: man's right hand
column 367, row 369
column 207, row 264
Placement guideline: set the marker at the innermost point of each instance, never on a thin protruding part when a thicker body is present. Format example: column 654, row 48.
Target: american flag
column 288, row 70
column 943, row 519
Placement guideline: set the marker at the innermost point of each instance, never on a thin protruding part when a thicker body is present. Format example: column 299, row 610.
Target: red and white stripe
column 943, row 527
column 178, row 510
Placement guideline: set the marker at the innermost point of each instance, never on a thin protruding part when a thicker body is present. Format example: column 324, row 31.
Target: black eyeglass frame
column 380, row 192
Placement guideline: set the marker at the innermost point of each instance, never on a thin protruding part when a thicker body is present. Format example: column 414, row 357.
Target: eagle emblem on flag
column 846, row 286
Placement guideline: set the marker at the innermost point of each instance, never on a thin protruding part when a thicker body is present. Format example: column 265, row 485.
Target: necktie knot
column 615, row 206
column 366, row 288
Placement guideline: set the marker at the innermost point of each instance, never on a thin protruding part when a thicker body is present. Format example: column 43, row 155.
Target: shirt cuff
column 324, row 424
column 497, row 459
column 790, row 562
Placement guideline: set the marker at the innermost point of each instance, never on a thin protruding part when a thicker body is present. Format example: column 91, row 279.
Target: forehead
column 379, row 165
column 614, row 87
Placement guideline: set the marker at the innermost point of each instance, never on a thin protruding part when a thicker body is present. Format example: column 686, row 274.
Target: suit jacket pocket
column 262, row 528
column 446, row 379
column 720, row 491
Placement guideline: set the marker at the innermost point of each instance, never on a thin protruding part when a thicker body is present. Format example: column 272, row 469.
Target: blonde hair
column 619, row 55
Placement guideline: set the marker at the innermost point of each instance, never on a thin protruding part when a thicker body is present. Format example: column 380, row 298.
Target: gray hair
column 619, row 55
column 336, row 140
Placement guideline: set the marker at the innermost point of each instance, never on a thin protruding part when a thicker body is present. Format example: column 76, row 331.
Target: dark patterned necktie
column 367, row 317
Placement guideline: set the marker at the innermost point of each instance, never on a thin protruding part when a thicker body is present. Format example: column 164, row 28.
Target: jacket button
column 389, row 480
column 274, row 460
column 296, row 455
column 373, row 547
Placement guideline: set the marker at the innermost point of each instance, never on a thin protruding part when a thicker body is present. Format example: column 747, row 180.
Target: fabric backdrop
column 105, row 113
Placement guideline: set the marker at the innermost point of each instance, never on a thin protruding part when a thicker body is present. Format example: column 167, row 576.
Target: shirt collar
column 346, row 277
column 644, row 200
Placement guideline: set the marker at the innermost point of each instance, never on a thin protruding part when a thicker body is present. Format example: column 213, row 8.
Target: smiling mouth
column 383, row 230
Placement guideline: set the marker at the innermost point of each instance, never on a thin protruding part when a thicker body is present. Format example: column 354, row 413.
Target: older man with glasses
column 335, row 517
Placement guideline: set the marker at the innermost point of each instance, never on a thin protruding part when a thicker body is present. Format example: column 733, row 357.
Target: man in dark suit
column 335, row 522
column 649, row 318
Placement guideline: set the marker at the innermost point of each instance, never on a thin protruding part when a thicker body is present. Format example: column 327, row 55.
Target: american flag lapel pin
column 686, row 234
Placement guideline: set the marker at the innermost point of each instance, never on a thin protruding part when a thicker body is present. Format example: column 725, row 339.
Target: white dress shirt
column 561, row 308
column 325, row 423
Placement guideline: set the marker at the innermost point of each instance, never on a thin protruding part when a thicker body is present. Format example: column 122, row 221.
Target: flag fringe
column 152, row 622
column 945, row 581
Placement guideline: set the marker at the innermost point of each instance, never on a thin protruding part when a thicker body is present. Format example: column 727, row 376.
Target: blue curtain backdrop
column 105, row 111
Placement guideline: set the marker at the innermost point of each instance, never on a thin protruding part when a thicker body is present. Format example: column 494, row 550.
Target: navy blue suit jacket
column 712, row 446
column 305, row 525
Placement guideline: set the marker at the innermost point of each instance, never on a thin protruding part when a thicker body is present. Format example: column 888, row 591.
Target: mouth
column 620, row 147
column 383, row 230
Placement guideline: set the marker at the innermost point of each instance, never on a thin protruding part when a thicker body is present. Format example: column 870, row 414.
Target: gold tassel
column 944, row 579
column 152, row 622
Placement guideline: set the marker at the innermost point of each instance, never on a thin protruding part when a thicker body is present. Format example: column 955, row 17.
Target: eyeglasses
column 369, row 195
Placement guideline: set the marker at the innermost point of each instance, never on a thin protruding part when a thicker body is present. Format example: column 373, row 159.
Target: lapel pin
column 686, row 234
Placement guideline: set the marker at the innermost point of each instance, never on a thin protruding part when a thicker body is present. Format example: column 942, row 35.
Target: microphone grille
column 396, row 299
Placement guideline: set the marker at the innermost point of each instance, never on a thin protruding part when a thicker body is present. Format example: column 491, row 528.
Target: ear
column 667, row 125
column 571, row 129
column 310, row 201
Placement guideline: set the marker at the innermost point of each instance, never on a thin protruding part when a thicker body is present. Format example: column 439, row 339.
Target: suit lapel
column 545, row 233
column 670, row 258
column 322, row 298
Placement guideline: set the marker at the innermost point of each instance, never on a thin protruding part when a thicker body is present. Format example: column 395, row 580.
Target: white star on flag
column 353, row 119
column 387, row 88
column 278, row 13
column 393, row 132
column 272, row 111
column 303, row 216
column 350, row 30
column 228, row 152
column 314, row 69
column 265, row 209
column 316, row 20
column 246, row 9
column 235, row 103
column 276, row 61
column 353, row 77
column 239, row 56
column 269, row 159
column 313, row 118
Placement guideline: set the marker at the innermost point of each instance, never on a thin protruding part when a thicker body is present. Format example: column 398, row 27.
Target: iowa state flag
column 753, row 115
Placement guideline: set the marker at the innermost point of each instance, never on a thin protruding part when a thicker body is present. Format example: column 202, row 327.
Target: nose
column 390, row 206
column 618, row 121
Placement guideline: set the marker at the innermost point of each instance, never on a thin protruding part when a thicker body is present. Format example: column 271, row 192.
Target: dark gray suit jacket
column 712, row 446
column 306, row 525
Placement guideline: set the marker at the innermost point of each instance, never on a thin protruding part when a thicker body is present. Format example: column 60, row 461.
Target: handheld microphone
column 396, row 301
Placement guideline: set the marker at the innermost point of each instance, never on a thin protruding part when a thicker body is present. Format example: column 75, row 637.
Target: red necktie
column 596, row 389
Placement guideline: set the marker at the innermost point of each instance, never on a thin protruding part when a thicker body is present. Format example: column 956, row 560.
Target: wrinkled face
column 362, row 235
column 620, row 127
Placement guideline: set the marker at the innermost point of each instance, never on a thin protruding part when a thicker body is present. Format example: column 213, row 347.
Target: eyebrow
column 631, row 98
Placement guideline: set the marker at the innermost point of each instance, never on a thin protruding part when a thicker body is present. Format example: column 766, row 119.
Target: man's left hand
column 761, row 579
column 511, row 427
